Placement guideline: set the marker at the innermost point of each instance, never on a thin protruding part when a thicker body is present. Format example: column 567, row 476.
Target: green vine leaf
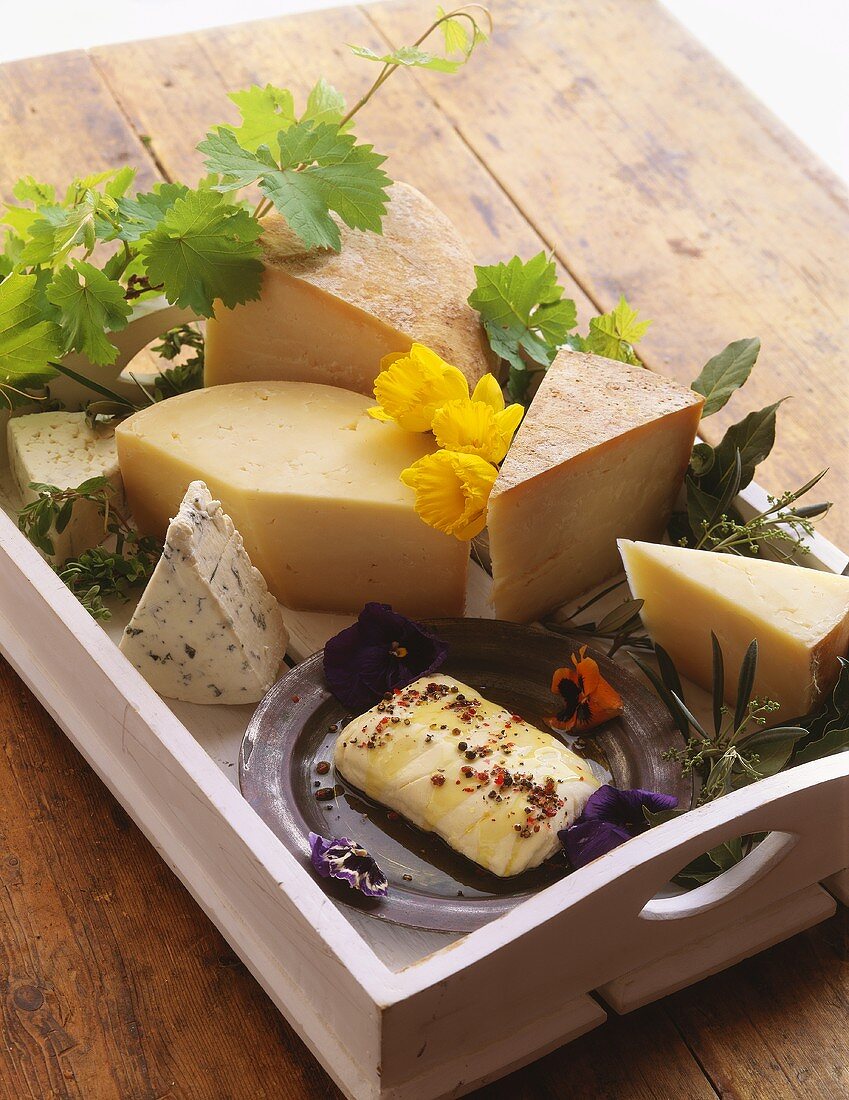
column 90, row 304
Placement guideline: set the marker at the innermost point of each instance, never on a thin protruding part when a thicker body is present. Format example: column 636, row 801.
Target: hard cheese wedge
column 800, row 618
column 312, row 483
column 206, row 630
column 331, row 316
column 59, row 448
column 494, row 788
column 601, row 454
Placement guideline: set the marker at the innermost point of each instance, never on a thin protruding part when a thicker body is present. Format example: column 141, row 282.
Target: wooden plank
column 654, row 173
column 57, row 120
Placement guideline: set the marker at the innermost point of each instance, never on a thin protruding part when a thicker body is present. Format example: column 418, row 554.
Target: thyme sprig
column 100, row 572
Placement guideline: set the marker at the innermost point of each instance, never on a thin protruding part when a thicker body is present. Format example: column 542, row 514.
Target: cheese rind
column 601, row 454
column 330, row 317
column 501, row 806
column 311, row 481
column 206, row 629
column 59, row 448
column 800, row 618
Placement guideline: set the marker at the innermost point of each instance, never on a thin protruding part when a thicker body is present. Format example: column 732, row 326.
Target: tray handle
column 731, row 883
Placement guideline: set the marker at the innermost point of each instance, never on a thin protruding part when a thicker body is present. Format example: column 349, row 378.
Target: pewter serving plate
column 431, row 886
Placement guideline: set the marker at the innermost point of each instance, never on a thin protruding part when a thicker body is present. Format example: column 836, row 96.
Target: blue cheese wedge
column 496, row 789
column 206, row 630
column 62, row 449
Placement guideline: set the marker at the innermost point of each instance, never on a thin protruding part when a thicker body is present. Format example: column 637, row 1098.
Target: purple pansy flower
column 342, row 858
column 382, row 651
column 610, row 818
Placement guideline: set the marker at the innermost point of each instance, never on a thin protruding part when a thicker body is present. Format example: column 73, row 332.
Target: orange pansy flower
column 588, row 699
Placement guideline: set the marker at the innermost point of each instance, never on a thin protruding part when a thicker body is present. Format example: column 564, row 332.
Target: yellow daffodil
column 410, row 388
column 479, row 425
column 452, row 490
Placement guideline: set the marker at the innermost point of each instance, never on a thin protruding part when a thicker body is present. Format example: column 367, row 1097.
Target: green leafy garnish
column 204, row 249
column 613, row 335
column 28, row 341
column 409, row 56
column 524, row 314
column 315, row 169
column 828, row 728
column 187, row 375
column 725, row 373
column 90, row 304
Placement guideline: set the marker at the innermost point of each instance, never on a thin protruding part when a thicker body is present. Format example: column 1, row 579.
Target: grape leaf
column 319, row 169
column 60, row 229
column 27, row 340
column 265, row 112
column 324, row 104
column 409, row 57
column 143, row 214
column 523, row 310
column 725, row 373
column 460, row 35
column 204, row 249
column 90, row 305
column 613, row 335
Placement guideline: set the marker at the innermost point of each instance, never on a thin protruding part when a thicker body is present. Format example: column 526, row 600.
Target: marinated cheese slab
column 496, row 789
column 311, row 482
column 330, row 317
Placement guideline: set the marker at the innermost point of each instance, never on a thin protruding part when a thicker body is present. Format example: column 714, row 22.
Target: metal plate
column 296, row 725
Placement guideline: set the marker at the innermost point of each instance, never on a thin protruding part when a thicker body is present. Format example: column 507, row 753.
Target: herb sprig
column 735, row 749
column 99, row 572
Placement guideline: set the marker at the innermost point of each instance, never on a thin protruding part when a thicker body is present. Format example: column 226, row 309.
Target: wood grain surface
column 598, row 130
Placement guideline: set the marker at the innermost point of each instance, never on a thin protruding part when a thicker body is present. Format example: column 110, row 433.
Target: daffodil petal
column 470, row 427
column 489, row 392
column 378, row 413
column 452, row 490
column 413, row 387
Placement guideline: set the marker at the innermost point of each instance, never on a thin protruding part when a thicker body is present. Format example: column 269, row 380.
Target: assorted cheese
column 800, row 618
column 601, row 454
column 206, row 629
column 61, row 449
column 311, row 481
column 493, row 787
column 331, row 316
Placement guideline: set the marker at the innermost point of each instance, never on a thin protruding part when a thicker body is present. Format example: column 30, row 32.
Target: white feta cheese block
column 206, row 629
column 495, row 788
column 59, row 448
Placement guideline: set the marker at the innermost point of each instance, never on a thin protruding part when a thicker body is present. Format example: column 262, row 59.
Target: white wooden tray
column 391, row 1012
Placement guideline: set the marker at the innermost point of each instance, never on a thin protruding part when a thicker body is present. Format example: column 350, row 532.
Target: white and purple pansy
column 339, row 857
column 610, row 817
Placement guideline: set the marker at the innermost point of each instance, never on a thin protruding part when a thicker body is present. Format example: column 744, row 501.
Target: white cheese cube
column 59, row 448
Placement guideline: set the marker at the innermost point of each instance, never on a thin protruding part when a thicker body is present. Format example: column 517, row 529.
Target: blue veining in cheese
column 206, row 630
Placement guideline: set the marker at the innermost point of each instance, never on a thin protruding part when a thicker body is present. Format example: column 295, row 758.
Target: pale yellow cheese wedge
column 330, row 317
column 493, row 787
column 311, row 482
column 601, row 454
column 800, row 618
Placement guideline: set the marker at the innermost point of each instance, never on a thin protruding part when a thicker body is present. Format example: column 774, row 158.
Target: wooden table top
column 600, row 131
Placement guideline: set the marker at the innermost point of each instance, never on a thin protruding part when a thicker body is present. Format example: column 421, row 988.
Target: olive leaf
column 828, row 728
column 753, row 437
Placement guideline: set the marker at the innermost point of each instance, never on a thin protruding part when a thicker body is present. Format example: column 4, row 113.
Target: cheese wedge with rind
column 311, row 482
column 503, row 808
column 206, row 629
column 799, row 616
column 330, row 317
column 601, row 454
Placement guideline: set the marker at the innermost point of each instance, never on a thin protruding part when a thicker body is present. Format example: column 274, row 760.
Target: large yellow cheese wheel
column 311, row 482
